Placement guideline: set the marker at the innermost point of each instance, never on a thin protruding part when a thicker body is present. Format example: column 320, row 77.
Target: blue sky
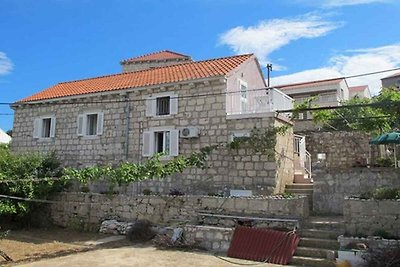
column 49, row 41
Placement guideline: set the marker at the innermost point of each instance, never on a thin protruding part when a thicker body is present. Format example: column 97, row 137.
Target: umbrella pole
column 395, row 157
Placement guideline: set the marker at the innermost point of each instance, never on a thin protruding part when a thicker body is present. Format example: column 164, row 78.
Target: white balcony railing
column 257, row 101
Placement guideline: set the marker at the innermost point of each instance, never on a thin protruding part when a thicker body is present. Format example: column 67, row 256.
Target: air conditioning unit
column 190, row 132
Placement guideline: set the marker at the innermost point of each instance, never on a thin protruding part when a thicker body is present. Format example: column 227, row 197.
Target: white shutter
column 100, row 123
column 148, row 144
column 173, row 105
column 52, row 126
column 174, row 143
column 150, row 107
column 36, row 128
column 81, row 125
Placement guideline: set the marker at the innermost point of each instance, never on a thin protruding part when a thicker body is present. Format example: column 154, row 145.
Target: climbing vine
column 260, row 140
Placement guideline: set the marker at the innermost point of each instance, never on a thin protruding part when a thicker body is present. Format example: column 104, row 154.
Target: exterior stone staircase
column 301, row 189
column 318, row 244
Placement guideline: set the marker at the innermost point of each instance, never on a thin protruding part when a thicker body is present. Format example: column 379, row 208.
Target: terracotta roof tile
column 161, row 55
column 161, row 75
column 309, row 84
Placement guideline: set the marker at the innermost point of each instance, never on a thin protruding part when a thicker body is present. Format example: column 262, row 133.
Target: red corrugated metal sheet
column 263, row 245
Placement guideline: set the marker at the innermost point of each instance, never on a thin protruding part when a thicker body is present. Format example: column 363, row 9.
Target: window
column 243, row 95
column 162, row 105
column 90, row 124
column 161, row 141
column 44, row 127
column 240, row 136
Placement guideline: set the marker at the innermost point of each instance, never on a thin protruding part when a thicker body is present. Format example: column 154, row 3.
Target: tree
column 379, row 114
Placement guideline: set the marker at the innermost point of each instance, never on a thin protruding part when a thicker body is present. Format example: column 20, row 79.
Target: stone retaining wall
column 215, row 239
column 87, row 211
column 330, row 187
column 371, row 242
column 364, row 217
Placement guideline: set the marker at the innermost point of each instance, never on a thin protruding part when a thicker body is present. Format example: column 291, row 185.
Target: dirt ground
column 66, row 248
column 35, row 244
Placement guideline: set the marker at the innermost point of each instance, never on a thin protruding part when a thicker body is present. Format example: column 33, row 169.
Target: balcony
column 257, row 101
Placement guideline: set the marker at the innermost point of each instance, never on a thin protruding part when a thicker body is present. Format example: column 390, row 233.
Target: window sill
column 162, row 116
column 44, row 139
column 88, row 137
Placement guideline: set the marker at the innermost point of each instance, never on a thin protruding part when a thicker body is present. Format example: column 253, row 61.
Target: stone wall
column 331, row 186
column 342, row 149
column 214, row 239
column 364, row 217
column 371, row 241
column 125, row 121
column 87, row 211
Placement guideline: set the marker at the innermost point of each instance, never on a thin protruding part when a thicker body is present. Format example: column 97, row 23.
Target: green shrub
column 18, row 171
column 385, row 193
column 382, row 233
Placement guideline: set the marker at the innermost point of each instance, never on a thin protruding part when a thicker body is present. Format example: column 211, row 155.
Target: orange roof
column 161, row 75
column 308, row 84
column 161, row 55
column 358, row 88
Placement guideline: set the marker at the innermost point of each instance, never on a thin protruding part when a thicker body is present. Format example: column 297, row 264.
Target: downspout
column 127, row 113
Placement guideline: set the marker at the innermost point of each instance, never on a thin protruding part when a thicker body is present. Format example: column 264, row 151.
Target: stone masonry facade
column 125, row 121
column 366, row 216
column 331, row 187
column 87, row 211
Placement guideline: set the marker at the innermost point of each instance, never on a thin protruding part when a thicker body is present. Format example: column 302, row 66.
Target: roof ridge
column 152, row 69
column 154, row 53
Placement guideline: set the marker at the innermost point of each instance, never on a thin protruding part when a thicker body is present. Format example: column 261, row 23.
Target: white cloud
column 352, row 62
column 270, row 35
column 337, row 3
column 6, row 66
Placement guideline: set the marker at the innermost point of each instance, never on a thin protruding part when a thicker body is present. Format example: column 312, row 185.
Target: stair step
column 309, row 261
column 299, row 186
column 317, row 233
column 335, row 224
column 305, row 191
column 319, row 243
column 329, row 254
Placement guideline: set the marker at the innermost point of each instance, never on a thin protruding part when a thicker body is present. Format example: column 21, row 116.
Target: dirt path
column 135, row 256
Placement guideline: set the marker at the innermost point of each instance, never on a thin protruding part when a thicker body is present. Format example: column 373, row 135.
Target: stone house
column 164, row 102
column 391, row 81
column 328, row 92
column 361, row 91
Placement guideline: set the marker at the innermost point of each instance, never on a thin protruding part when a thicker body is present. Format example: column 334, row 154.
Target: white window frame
column 244, row 99
column 82, row 123
column 38, row 127
column 149, row 141
column 151, row 104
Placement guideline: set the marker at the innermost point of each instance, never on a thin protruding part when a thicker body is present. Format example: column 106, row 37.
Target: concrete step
column 317, row 233
column 318, row 243
column 316, row 253
column 311, row 262
column 334, row 224
column 300, row 191
column 300, row 186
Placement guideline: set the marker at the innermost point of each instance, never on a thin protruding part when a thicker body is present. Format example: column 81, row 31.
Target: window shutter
column 148, row 144
column 174, row 143
column 36, row 128
column 173, row 105
column 81, row 125
column 53, row 127
column 150, row 107
column 100, row 123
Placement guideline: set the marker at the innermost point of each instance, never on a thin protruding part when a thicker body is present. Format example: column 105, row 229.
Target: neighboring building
column 4, row 137
column 175, row 109
column 153, row 60
column 359, row 91
column 391, row 81
column 330, row 92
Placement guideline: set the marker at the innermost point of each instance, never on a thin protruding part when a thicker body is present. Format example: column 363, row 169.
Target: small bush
column 176, row 192
column 382, row 233
column 385, row 193
column 147, row 192
column 388, row 257
column 141, row 231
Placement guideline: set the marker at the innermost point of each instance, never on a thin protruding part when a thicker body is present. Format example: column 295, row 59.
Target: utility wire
column 192, row 96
